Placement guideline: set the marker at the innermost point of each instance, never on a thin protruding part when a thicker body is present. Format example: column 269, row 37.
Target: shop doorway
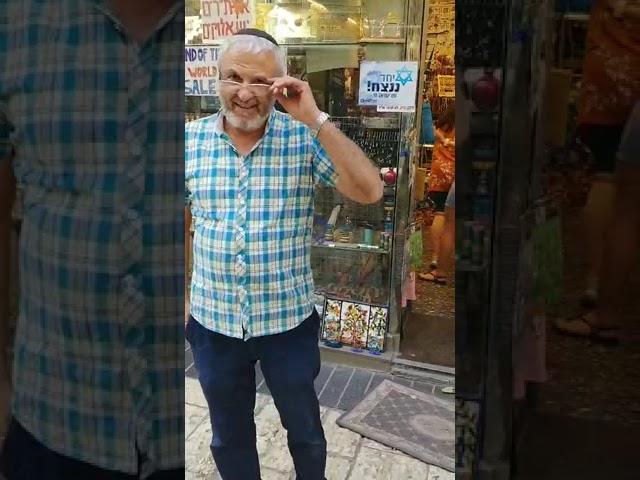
column 428, row 327
column 588, row 398
column 428, row 320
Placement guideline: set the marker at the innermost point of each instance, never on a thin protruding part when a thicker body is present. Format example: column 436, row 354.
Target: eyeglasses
column 256, row 88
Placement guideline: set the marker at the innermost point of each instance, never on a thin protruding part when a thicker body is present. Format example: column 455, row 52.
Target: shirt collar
column 172, row 13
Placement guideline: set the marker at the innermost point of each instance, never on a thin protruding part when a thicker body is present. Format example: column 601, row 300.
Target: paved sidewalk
column 350, row 456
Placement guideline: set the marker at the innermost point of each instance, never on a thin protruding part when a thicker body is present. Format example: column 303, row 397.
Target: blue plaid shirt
column 253, row 219
column 93, row 124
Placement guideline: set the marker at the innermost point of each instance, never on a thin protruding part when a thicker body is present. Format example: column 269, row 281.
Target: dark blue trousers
column 290, row 362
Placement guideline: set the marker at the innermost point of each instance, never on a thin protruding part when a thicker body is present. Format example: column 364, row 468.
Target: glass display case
column 358, row 250
column 303, row 21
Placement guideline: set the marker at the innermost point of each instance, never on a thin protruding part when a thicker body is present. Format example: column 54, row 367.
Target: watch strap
column 320, row 121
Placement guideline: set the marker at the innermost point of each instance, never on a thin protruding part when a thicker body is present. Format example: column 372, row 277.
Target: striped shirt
column 93, row 124
column 253, row 219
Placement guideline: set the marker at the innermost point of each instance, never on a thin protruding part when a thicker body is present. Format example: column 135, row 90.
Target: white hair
column 253, row 44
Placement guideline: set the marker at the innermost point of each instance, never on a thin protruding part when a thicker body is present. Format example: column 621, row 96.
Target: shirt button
column 129, row 281
column 136, row 150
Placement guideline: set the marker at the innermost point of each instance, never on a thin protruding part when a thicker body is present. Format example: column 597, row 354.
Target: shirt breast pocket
column 71, row 125
column 279, row 196
column 214, row 194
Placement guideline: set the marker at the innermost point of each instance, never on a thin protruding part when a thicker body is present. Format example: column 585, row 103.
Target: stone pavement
column 350, row 456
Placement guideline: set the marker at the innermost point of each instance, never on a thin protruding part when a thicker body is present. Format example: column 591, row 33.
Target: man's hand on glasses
column 296, row 98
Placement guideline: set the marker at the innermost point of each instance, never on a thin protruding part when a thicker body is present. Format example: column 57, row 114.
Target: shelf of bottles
column 346, row 21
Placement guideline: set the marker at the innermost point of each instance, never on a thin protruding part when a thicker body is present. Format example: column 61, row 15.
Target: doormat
column 416, row 423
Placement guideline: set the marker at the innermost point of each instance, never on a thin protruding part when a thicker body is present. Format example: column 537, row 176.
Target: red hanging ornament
column 485, row 92
column 390, row 177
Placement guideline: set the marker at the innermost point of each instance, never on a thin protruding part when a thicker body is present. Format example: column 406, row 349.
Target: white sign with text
column 389, row 86
column 223, row 18
column 200, row 70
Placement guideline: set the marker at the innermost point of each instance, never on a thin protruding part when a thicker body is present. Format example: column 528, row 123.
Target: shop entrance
column 428, row 326
column 428, row 321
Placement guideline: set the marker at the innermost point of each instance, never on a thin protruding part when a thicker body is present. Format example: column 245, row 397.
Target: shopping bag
column 427, row 134
column 548, row 261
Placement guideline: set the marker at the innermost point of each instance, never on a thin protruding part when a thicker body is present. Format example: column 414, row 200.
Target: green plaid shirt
column 253, row 220
column 93, row 124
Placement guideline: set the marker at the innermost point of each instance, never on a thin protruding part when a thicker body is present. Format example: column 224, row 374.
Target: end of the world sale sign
column 200, row 70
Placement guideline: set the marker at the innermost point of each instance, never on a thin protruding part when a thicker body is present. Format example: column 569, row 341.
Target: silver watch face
column 323, row 117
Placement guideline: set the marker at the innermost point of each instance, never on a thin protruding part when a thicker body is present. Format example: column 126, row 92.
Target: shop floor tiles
column 587, row 419
column 429, row 331
column 433, row 299
column 558, row 447
column 419, row 424
column 586, row 380
column 429, row 339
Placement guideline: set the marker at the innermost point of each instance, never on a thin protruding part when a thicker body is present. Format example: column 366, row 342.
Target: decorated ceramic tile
column 467, row 424
column 361, row 327
column 377, row 329
column 352, row 319
column 331, row 327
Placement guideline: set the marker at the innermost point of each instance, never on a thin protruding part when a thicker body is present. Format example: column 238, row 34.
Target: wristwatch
column 320, row 121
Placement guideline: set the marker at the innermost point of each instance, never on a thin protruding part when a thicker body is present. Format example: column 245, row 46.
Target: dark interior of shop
column 583, row 421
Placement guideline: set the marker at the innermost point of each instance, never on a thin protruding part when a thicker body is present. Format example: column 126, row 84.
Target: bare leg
column 447, row 244
column 436, row 235
column 446, row 248
column 597, row 215
column 623, row 239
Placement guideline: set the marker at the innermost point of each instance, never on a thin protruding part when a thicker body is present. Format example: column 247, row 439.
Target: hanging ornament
column 390, row 177
column 485, row 92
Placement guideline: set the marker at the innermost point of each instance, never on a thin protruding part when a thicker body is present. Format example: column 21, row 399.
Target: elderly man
column 250, row 176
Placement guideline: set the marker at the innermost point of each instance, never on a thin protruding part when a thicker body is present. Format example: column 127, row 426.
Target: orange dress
column 443, row 164
column 611, row 72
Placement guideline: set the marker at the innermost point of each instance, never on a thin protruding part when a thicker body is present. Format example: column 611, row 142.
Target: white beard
column 242, row 124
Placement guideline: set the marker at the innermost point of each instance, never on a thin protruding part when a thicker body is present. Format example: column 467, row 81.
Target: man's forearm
column 359, row 177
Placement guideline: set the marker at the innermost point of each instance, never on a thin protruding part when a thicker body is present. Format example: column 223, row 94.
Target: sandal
column 589, row 300
column 580, row 327
column 432, row 277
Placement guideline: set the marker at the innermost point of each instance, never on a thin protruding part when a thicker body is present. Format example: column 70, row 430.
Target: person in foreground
column 91, row 131
column 250, row 176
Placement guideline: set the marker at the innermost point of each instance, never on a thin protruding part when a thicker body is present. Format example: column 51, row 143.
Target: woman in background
column 610, row 88
column 447, row 244
column 443, row 171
